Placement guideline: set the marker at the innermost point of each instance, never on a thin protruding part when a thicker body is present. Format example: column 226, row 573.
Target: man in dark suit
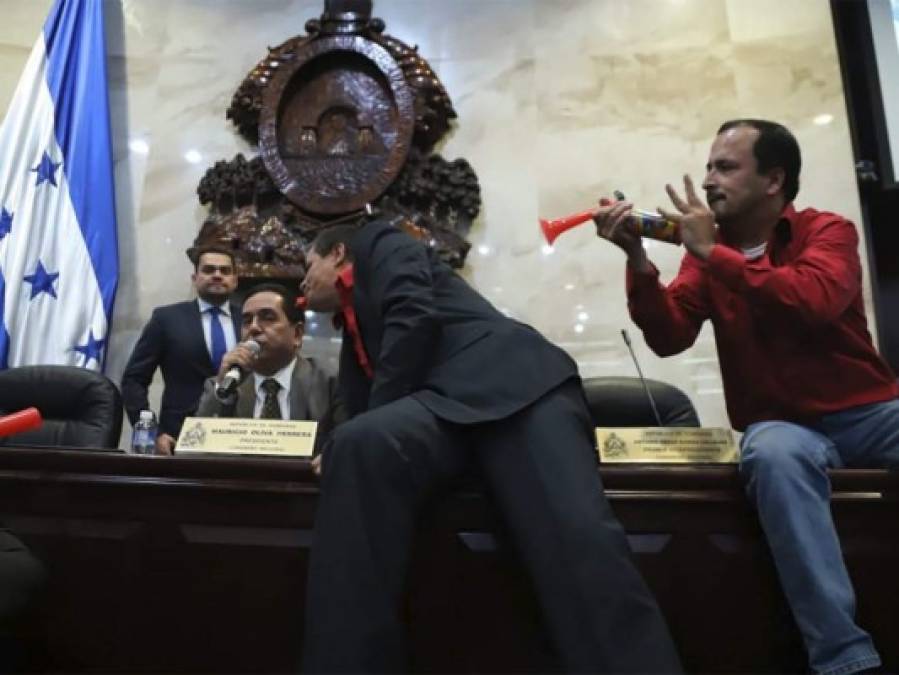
column 436, row 380
column 187, row 341
column 282, row 383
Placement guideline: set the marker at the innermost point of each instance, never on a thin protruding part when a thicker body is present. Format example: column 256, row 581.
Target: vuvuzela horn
column 646, row 224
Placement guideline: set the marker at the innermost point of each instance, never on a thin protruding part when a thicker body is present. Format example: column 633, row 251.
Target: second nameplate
column 667, row 445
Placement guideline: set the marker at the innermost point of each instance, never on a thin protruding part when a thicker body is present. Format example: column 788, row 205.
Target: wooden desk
column 198, row 565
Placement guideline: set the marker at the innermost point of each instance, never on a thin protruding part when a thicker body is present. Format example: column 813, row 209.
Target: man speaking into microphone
column 265, row 376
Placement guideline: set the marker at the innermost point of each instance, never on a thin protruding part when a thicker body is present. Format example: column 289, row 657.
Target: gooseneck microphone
column 235, row 374
column 652, row 402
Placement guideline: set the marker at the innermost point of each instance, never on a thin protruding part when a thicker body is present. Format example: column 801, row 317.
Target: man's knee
column 781, row 452
column 359, row 443
column 778, row 446
column 348, row 441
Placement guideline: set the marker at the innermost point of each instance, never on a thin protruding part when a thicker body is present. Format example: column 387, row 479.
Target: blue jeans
column 784, row 466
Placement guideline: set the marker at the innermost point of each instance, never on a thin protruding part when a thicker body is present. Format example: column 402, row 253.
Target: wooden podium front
column 179, row 564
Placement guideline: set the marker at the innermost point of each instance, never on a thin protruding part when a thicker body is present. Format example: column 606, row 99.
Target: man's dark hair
column 328, row 240
column 198, row 252
column 288, row 300
column 775, row 148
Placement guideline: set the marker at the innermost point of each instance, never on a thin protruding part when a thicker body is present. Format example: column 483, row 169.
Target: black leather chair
column 81, row 408
column 622, row 402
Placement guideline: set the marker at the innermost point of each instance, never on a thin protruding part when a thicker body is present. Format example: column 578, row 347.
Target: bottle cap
column 147, row 415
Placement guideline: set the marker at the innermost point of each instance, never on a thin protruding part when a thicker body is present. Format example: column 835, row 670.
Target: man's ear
column 339, row 253
column 776, row 177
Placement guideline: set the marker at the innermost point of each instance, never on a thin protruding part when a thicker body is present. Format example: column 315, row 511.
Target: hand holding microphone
column 235, row 366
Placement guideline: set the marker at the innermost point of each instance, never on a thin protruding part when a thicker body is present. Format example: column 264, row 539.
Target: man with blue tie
column 187, row 341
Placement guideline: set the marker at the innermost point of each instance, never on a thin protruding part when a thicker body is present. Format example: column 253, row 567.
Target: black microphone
column 652, row 402
column 235, row 374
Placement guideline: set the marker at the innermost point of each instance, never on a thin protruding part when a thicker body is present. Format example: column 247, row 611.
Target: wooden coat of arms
column 346, row 119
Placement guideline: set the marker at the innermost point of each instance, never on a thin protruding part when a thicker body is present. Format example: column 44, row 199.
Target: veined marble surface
column 559, row 102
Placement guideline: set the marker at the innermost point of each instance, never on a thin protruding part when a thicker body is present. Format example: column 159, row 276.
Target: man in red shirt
column 782, row 289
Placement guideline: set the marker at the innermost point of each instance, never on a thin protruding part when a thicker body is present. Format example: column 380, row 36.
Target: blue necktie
column 217, row 335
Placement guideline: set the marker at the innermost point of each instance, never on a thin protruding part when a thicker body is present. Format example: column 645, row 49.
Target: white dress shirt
column 284, row 378
column 227, row 324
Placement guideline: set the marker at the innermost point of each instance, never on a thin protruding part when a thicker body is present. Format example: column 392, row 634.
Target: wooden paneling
column 198, row 565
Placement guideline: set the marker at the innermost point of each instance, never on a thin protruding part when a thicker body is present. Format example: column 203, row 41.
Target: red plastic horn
column 24, row 420
column 553, row 228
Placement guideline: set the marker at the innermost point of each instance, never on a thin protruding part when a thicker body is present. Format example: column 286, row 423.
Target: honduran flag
column 58, row 248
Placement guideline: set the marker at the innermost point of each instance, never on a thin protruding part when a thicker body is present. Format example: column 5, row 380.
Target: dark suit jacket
column 430, row 335
column 173, row 341
column 313, row 396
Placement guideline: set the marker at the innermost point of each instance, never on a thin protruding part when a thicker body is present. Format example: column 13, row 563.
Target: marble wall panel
column 560, row 102
column 22, row 20
column 779, row 20
column 136, row 28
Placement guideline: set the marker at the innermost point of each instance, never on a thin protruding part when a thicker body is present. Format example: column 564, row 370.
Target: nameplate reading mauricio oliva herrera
column 667, row 445
column 243, row 436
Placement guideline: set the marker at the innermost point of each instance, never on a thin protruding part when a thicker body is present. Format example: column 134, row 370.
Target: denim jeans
column 784, row 466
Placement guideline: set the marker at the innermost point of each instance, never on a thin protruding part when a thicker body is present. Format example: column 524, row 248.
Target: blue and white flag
column 58, row 248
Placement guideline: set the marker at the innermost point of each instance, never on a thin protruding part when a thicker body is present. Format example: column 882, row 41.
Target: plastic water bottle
column 143, row 438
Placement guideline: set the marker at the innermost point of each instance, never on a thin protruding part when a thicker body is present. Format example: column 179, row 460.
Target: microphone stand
column 652, row 402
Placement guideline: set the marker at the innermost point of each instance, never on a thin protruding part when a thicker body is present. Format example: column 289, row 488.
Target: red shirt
column 347, row 317
column 790, row 328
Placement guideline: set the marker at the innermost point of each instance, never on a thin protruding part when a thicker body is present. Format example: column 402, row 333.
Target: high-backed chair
column 81, row 408
column 622, row 402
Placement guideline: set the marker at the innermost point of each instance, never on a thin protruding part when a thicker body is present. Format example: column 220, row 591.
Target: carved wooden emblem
column 346, row 119
column 336, row 124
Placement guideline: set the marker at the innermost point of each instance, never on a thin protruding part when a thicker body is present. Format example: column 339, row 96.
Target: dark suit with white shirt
column 457, row 384
column 173, row 341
